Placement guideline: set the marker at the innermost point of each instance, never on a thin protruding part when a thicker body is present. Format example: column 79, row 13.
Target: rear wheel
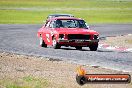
column 41, row 42
column 55, row 44
column 93, row 47
column 78, row 47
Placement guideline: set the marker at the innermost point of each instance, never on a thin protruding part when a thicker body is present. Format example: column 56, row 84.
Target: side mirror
column 87, row 27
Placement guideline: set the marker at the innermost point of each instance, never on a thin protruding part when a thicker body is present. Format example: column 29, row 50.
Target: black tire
column 81, row 80
column 93, row 47
column 78, row 47
column 55, row 44
column 42, row 43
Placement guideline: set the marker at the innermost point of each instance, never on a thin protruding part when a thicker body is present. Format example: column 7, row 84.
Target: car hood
column 75, row 31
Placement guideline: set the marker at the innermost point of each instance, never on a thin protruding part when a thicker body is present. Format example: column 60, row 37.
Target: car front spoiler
column 78, row 41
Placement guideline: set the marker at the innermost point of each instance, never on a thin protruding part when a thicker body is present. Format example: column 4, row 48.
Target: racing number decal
column 51, row 33
column 48, row 37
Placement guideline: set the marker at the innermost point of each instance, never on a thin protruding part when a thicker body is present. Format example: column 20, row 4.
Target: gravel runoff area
column 19, row 71
column 121, row 41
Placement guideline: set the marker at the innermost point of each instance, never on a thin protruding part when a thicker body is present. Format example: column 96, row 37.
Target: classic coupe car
column 67, row 31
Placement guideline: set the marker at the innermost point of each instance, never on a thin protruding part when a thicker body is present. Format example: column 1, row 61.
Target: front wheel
column 41, row 42
column 55, row 44
column 93, row 47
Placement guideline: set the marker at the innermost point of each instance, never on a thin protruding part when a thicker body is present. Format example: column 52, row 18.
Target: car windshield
column 70, row 23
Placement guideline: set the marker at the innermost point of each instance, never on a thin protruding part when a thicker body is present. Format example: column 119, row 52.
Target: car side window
column 52, row 24
column 47, row 24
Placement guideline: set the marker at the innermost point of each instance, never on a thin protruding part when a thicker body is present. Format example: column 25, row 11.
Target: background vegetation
column 93, row 11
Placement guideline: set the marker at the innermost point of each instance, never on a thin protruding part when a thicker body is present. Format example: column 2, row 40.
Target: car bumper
column 77, row 42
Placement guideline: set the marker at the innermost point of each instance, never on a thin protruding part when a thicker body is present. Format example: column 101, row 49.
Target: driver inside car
column 59, row 23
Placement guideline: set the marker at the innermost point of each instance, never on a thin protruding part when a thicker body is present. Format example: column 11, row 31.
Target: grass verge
column 35, row 11
column 25, row 82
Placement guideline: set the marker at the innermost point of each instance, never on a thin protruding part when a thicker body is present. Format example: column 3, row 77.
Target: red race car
column 67, row 31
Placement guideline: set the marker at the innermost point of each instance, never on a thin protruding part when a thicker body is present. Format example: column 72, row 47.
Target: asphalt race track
column 22, row 39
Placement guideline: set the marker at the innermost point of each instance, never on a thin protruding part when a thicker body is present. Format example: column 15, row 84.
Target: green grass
column 28, row 82
column 25, row 82
column 93, row 11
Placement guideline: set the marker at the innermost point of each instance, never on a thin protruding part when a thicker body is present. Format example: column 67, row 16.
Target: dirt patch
column 121, row 41
column 18, row 71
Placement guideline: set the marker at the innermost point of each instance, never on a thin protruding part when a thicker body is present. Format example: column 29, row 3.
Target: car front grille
column 78, row 36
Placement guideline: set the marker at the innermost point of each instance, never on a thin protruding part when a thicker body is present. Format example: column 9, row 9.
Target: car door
column 47, row 34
